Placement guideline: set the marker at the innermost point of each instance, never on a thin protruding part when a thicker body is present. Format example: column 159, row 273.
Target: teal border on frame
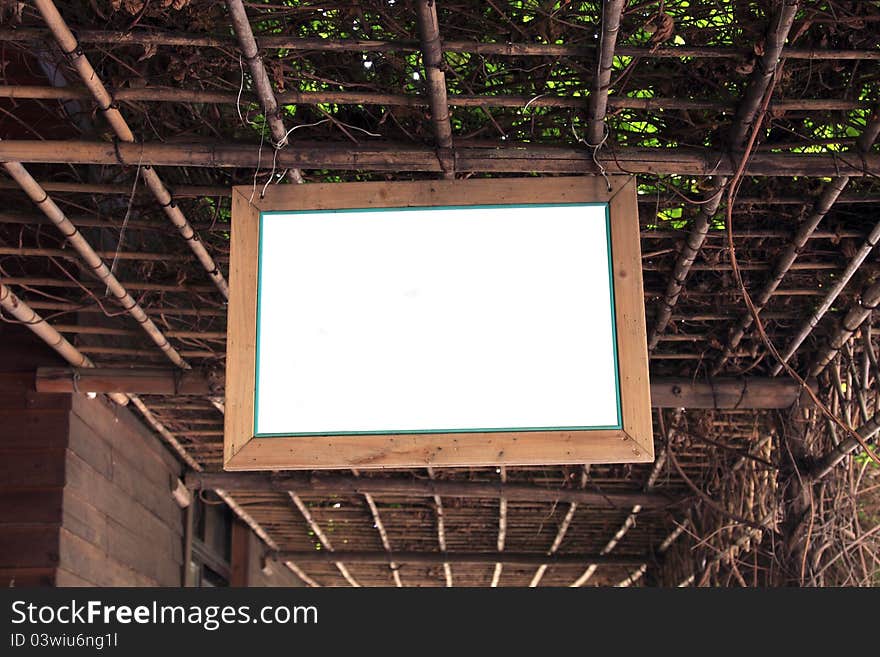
column 608, row 239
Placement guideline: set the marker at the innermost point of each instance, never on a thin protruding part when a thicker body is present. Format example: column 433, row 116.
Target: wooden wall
column 84, row 486
column 121, row 526
column 33, row 444
column 85, row 489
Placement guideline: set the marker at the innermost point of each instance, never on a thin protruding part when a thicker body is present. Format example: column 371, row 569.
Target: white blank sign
column 407, row 320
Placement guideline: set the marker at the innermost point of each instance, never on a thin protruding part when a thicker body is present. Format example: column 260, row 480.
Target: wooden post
column 239, row 561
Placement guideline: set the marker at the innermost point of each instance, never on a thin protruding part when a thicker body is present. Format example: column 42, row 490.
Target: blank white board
column 441, row 319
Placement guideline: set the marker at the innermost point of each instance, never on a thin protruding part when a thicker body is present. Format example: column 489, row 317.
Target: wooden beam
column 311, row 484
column 45, row 281
column 153, row 381
column 725, row 393
column 70, row 254
column 436, row 558
column 511, row 158
column 182, row 191
column 295, row 43
column 650, row 204
column 745, row 393
column 160, row 94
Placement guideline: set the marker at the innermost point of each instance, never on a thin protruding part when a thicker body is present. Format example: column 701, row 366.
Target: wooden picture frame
column 631, row 443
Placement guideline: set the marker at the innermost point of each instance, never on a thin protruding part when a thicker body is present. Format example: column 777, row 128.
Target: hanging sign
column 447, row 323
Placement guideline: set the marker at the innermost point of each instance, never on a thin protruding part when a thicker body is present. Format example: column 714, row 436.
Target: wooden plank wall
column 33, row 442
column 85, row 489
column 121, row 526
column 84, row 485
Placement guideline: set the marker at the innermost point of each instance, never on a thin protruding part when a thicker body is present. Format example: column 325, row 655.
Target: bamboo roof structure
column 752, row 128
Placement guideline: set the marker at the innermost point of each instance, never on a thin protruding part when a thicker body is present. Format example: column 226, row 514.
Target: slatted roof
column 751, row 128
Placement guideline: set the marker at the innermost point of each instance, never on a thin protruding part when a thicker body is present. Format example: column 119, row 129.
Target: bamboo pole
column 831, row 193
column 262, row 86
column 169, row 438
column 143, row 353
column 42, row 329
column 108, row 107
column 765, row 70
column 383, row 534
column 522, row 158
column 629, row 523
column 165, row 38
column 441, row 530
column 784, row 264
column 325, row 542
column 839, row 452
column 860, row 311
column 745, row 115
column 841, row 282
column 597, row 103
column 685, row 261
column 562, row 531
column 432, row 61
column 93, row 261
column 23, row 313
column 299, row 572
column 633, row 577
column 502, row 529
column 251, row 522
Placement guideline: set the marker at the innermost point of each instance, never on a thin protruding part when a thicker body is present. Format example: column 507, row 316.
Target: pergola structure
column 751, row 129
